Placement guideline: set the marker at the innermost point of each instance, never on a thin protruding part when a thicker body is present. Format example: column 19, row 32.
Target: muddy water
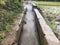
column 29, row 34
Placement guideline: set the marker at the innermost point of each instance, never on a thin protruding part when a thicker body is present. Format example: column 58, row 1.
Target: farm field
column 51, row 13
column 47, row 3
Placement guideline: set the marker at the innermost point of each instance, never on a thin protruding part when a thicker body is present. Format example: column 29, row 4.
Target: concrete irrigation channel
column 29, row 35
column 31, row 29
column 35, row 31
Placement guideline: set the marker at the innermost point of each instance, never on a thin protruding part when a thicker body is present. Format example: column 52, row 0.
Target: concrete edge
column 50, row 37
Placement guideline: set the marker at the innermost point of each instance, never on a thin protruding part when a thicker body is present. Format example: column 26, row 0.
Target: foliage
column 8, row 12
column 2, row 2
column 13, row 5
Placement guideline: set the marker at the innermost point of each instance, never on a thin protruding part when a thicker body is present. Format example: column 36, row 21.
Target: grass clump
column 8, row 13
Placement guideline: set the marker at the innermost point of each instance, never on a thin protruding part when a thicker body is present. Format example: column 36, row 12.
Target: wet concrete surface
column 29, row 33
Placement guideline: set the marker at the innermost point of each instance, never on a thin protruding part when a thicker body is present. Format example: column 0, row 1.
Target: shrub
column 8, row 12
column 13, row 5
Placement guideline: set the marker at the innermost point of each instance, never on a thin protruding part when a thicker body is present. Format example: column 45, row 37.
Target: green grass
column 9, row 12
column 52, row 25
column 47, row 3
column 47, row 19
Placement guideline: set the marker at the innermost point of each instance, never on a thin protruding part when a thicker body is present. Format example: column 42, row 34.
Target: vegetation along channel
column 10, row 11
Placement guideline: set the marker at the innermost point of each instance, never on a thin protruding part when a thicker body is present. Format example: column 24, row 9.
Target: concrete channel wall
column 46, row 35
